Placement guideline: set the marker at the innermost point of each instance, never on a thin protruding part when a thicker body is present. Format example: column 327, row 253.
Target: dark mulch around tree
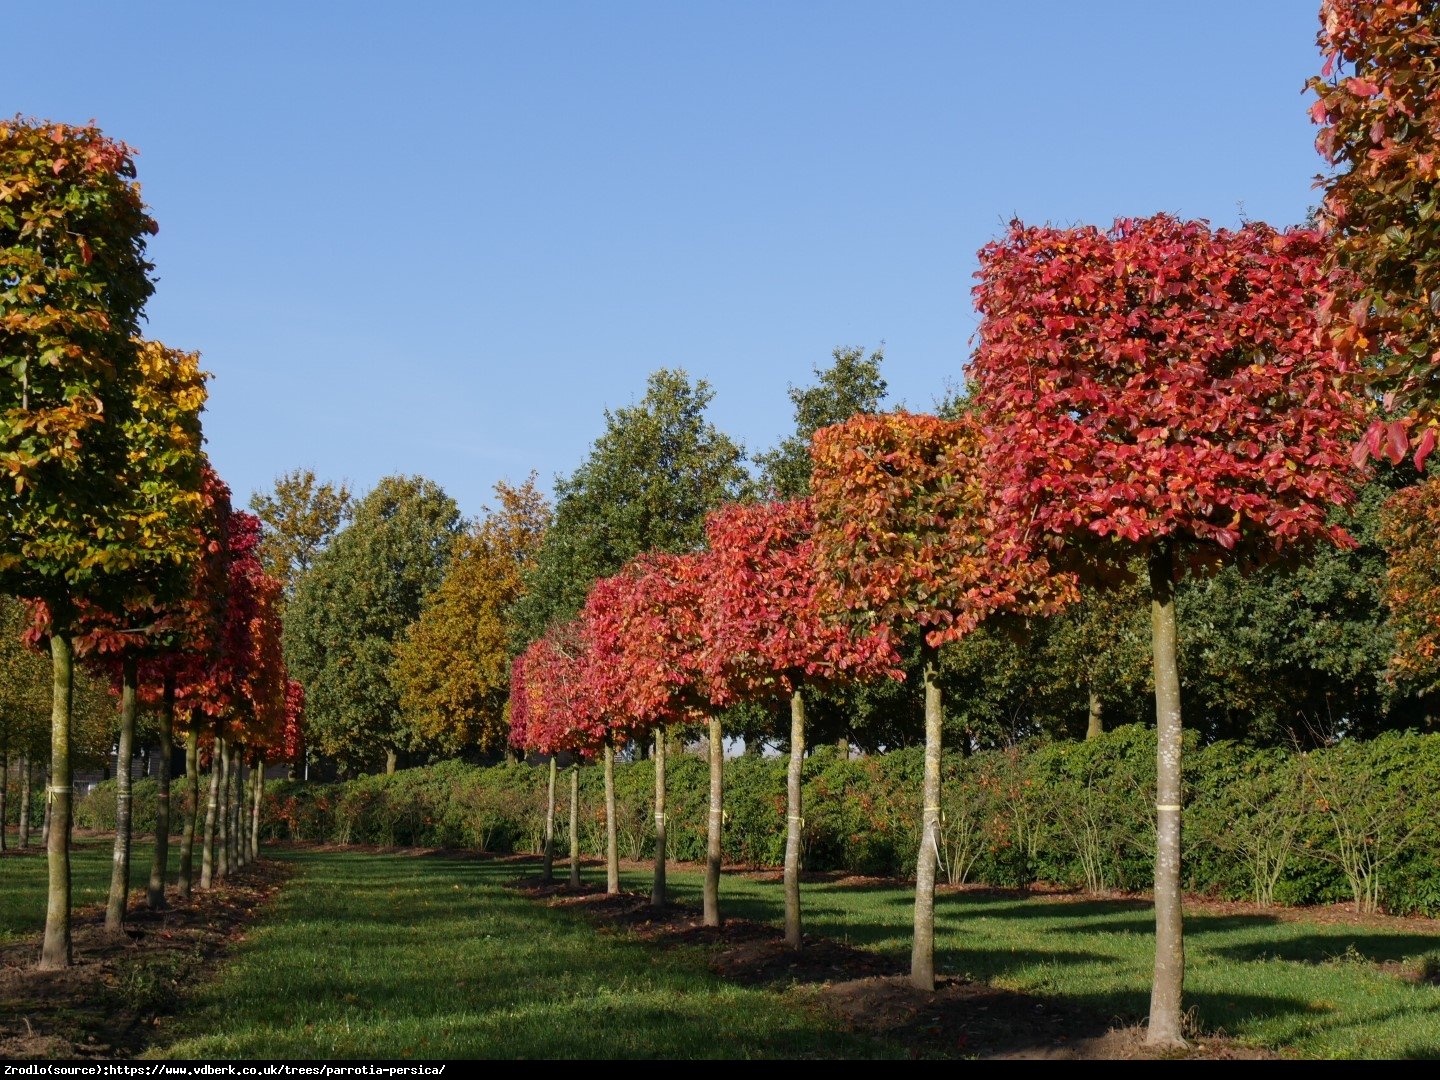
column 871, row 994
column 105, row 1005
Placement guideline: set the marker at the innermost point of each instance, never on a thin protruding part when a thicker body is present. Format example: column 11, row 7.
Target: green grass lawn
column 1308, row 986
column 392, row 956
column 389, row 955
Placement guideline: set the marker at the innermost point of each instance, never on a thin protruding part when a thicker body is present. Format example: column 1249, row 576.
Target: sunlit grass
column 399, row 956
column 1312, row 987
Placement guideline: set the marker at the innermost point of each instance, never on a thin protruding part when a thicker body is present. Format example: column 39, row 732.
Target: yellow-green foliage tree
column 452, row 666
column 299, row 517
column 73, row 283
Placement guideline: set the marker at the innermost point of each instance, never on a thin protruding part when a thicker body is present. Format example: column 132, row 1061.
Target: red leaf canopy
column 646, row 636
column 765, row 628
column 1160, row 380
column 553, row 708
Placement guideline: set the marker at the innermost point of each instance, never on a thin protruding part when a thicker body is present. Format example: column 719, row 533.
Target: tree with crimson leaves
column 552, row 711
column 1161, row 390
column 1378, row 107
column 904, row 540
column 766, row 637
column 645, row 640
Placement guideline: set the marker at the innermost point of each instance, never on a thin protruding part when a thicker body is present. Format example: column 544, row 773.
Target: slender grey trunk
column 548, row 874
column 160, row 860
column 55, row 952
column 1096, row 727
column 45, row 821
column 232, row 808
column 714, row 823
column 575, row 825
column 1167, row 989
column 793, row 820
column 192, row 807
column 612, row 843
column 259, row 785
column 222, row 840
column 212, row 817
column 120, row 862
column 4, row 794
column 27, row 795
column 922, row 953
column 657, row 888
column 391, row 760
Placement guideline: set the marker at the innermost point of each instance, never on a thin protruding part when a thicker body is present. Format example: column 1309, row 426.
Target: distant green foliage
column 651, row 476
column 352, row 607
column 852, row 384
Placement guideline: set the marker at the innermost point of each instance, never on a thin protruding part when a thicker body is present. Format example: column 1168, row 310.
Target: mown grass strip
column 396, row 956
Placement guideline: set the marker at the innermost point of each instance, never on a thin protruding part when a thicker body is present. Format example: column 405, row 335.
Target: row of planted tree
column 121, row 540
column 1357, row 822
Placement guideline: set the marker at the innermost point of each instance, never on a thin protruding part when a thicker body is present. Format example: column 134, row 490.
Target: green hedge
column 96, row 810
column 1359, row 821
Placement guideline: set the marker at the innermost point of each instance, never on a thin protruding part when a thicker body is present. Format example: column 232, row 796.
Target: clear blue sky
column 442, row 237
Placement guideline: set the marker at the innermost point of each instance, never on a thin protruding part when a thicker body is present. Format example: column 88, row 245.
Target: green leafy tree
column 850, row 385
column 651, row 476
column 350, row 611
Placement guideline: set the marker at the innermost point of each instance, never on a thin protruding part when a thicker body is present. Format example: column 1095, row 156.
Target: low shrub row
column 1358, row 821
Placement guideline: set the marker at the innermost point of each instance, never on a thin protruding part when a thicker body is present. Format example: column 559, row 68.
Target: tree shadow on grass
column 1329, row 948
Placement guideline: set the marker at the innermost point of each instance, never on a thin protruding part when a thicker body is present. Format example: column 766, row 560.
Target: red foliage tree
column 553, row 710
column 1161, row 390
column 904, row 538
column 644, row 626
column 766, row 635
column 1378, row 109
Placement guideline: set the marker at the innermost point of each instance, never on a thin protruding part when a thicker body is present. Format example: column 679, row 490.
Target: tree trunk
column 657, row 888
column 716, row 819
column 45, row 821
column 232, row 808
column 575, row 825
column 27, row 795
column 212, row 817
column 55, row 952
column 160, row 861
column 120, row 863
column 242, row 810
column 1096, row 727
column 922, row 953
column 390, row 762
column 192, row 807
column 1166, row 991
column 793, row 821
column 548, row 874
column 612, row 841
column 842, row 748
column 4, row 795
column 222, row 840
column 259, row 785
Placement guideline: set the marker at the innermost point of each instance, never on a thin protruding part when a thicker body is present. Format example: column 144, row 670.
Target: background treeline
column 1356, row 822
